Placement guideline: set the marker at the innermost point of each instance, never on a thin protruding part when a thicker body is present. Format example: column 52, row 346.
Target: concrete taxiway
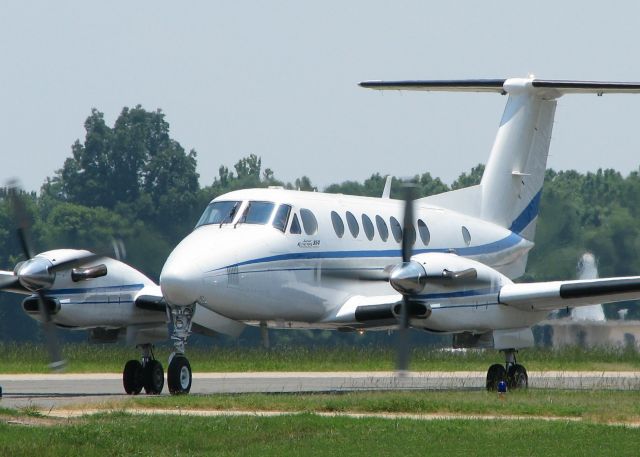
column 47, row 391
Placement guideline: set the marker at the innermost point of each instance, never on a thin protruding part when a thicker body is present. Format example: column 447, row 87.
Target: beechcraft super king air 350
column 444, row 263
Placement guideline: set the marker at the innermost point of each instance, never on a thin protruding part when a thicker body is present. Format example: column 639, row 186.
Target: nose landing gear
column 514, row 374
column 179, row 375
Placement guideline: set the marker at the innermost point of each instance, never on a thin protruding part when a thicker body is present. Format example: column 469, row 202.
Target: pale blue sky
column 279, row 79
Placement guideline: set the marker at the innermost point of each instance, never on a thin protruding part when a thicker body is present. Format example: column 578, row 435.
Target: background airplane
column 80, row 290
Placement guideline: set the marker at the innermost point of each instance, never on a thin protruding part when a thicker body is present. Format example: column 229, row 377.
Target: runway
column 46, row 391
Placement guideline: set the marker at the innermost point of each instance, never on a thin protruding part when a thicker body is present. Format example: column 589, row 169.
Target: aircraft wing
column 547, row 296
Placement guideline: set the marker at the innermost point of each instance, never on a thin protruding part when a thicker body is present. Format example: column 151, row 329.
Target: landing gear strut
column 514, row 374
column 146, row 374
column 179, row 375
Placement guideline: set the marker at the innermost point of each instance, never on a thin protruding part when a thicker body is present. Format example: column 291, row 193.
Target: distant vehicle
column 445, row 263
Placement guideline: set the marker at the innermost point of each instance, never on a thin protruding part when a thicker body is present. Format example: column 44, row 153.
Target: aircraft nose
column 181, row 280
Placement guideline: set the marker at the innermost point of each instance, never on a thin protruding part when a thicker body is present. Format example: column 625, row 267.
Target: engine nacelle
column 446, row 272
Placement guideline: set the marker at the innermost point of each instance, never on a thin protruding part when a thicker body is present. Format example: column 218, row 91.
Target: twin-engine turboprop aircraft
column 444, row 263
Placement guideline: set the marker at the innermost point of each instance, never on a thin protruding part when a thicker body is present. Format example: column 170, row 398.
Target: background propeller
column 21, row 217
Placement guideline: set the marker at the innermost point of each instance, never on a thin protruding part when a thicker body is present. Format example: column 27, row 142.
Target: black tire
column 153, row 377
column 179, row 375
column 517, row 377
column 132, row 377
column 495, row 374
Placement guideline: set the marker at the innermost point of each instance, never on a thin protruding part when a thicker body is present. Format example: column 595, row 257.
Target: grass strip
column 595, row 406
column 310, row 435
column 84, row 358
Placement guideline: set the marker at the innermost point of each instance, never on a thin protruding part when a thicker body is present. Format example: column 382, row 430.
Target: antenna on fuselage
column 386, row 192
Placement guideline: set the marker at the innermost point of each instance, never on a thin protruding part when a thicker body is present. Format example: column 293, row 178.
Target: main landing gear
column 146, row 374
column 514, row 374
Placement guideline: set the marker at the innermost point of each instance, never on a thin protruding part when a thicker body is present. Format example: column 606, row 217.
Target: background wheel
column 132, row 377
column 495, row 374
column 153, row 377
column 517, row 377
column 179, row 375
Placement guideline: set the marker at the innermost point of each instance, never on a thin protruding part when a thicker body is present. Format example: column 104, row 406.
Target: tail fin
column 511, row 187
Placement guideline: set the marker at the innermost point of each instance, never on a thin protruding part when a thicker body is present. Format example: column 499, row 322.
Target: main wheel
column 132, row 377
column 179, row 375
column 153, row 377
column 495, row 374
column 517, row 377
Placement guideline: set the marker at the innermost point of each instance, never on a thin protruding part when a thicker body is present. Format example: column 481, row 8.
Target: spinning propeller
column 37, row 274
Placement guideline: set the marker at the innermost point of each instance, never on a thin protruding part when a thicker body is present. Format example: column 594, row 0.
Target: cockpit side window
column 257, row 213
column 295, row 225
column 221, row 212
column 282, row 217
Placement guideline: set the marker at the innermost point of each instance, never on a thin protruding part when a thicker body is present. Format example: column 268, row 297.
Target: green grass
column 29, row 358
column 595, row 406
column 309, row 435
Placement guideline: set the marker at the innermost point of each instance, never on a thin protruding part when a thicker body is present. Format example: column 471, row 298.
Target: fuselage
column 264, row 256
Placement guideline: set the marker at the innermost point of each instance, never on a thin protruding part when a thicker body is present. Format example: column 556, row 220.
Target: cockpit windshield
column 257, row 213
column 219, row 213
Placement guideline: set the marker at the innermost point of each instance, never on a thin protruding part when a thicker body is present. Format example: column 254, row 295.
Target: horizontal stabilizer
column 554, row 87
column 547, row 296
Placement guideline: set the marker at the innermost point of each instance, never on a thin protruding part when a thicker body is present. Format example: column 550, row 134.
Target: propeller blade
column 408, row 232
column 9, row 281
column 50, row 335
column 408, row 238
column 20, row 215
column 402, row 359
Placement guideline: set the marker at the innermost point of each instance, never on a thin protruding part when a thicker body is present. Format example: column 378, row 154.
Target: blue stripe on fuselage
column 496, row 246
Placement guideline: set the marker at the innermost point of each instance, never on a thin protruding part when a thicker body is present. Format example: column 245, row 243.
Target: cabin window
column 423, row 230
column 282, row 217
column 257, row 213
column 367, row 225
column 396, row 229
column 219, row 213
column 352, row 222
column 338, row 225
column 295, row 225
column 309, row 222
column 466, row 236
column 382, row 228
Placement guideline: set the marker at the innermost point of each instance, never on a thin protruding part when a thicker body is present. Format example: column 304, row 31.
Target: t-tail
column 511, row 186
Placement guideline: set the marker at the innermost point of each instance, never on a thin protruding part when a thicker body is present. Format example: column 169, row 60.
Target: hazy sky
column 279, row 79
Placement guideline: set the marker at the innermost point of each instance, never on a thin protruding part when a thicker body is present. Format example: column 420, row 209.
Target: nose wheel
column 179, row 375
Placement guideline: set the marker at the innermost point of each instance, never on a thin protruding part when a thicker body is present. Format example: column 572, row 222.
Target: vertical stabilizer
column 511, row 185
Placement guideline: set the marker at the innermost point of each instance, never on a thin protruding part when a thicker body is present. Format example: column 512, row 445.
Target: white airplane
column 445, row 263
